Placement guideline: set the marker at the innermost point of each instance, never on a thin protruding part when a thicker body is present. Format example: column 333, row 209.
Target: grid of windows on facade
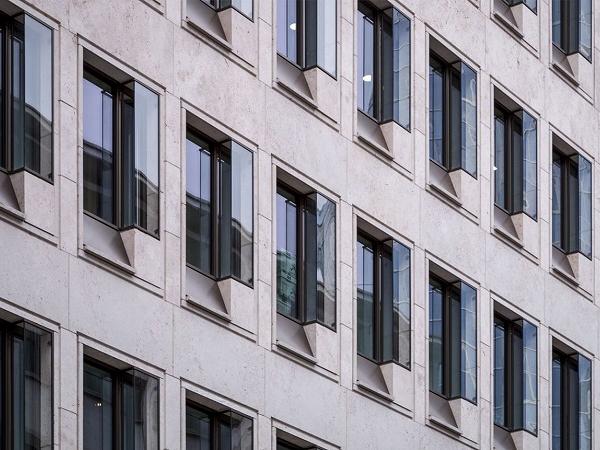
column 452, row 339
column 25, row 386
column 515, row 374
column 242, row 6
column 515, row 161
column 571, row 203
column 120, row 152
column 452, row 115
column 383, row 66
column 383, row 300
column 306, row 33
column 572, row 26
column 120, row 408
column 571, row 401
column 219, row 214
column 306, row 257
column 27, row 96
column 210, row 429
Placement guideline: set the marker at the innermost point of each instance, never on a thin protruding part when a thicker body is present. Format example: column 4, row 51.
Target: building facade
column 299, row 224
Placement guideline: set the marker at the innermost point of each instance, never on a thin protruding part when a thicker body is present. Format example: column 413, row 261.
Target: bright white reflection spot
column 367, row 78
column 293, row 26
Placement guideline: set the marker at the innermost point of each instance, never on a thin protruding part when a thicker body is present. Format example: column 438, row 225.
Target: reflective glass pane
column 389, row 308
column 585, row 28
column 326, row 35
column 529, row 377
column 468, row 325
column 499, row 374
column 146, row 425
column 365, row 291
column 585, row 206
column 128, row 155
column 454, row 345
column 366, row 63
column 198, row 429
column 517, row 376
column 309, row 254
column 17, row 59
column 242, row 435
column 556, row 403
column 499, row 162
column 585, row 403
column 573, row 199
column 436, row 338
column 557, row 176
column 326, row 261
column 287, row 257
column 556, row 23
column 517, row 170
column 198, row 204
column 436, row 112
column 468, row 79
column 401, row 257
column 98, row 161
column 532, row 4
column 456, row 120
column 97, row 408
column 287, row 29
column 529, row 165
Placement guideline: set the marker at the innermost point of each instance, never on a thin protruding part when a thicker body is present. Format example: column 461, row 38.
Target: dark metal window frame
column 118, row 380
column 6, row 152
column 567, row 165
column 118, row 93
column 570, row 29
column 7, row 331
column 216, row 150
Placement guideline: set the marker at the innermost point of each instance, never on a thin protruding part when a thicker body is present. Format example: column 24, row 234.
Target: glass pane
column 198, row 204
column 366, row 63
column 287, row 25
column 529, row 377
column 326, row 261
column 98, row 163
column 499, row 374
column 517, row 170
column 243, row 6
column 146, row 411
column 529, row 165
column 585, row 206
column 146, row 159
column 556, row 201
column 128, row 156
column 365, row 291
column 436, row 112
column 17, row 49
column 573, row 203
column 309, row 255
column 326, row 35
column 572, row 403
column 499, row 162
column 436, row 338
column 197, row 429
column 127, row 417
column 454, row 346
column 556, row 23
column 456, row 120
column 468, row 325
column 287, row 257
column 38, row 107
column 585, row 28
column 236, row 212
column 556, row 403
column 17, row 393
column 532, row 4
column 242, row 435
column 3, row 155
column 389, row 309
column 401, row 257
column 97, row 408
column 517, row 376
column 585, row 403
column 469, row 120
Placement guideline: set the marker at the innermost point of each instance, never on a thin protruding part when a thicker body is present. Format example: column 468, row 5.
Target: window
column 383, row 300
column 572, row 26
column 515, row 374
column 207, row 429
column 120, row 153
column 25, row 386
column 531, row 4
column 452, row 339
column 515, row 167
column 120, row 408
column 26, row 95
column 242, row 6
column 219, row 212
column 571, row 203
column 306, row 257
column 571, row 401
column 453, row 115
column 383, row 65
column 306, row 33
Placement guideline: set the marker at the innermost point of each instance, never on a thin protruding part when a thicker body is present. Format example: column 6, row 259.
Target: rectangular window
column 120, row 153
column 572, row 26
column 515, row 374
column 26, row 93
column 383, row 300
column 383, row 76
column 219, row 211
column 242, row 6
column 25, row 386
column 207, row 429
column 120, row 408
column 306, row 257
column 306, row 33
column 515, row 169
column 571, row 203
column 453, row 115
column 571, row 401
column 452, row 339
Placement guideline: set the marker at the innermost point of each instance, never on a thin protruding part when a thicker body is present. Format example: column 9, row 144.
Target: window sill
column 443, row 423
column 288, row 348
column 14, row 213
column 374, row 391
column 212, row 311
column 99, row 254
column 503, row 14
